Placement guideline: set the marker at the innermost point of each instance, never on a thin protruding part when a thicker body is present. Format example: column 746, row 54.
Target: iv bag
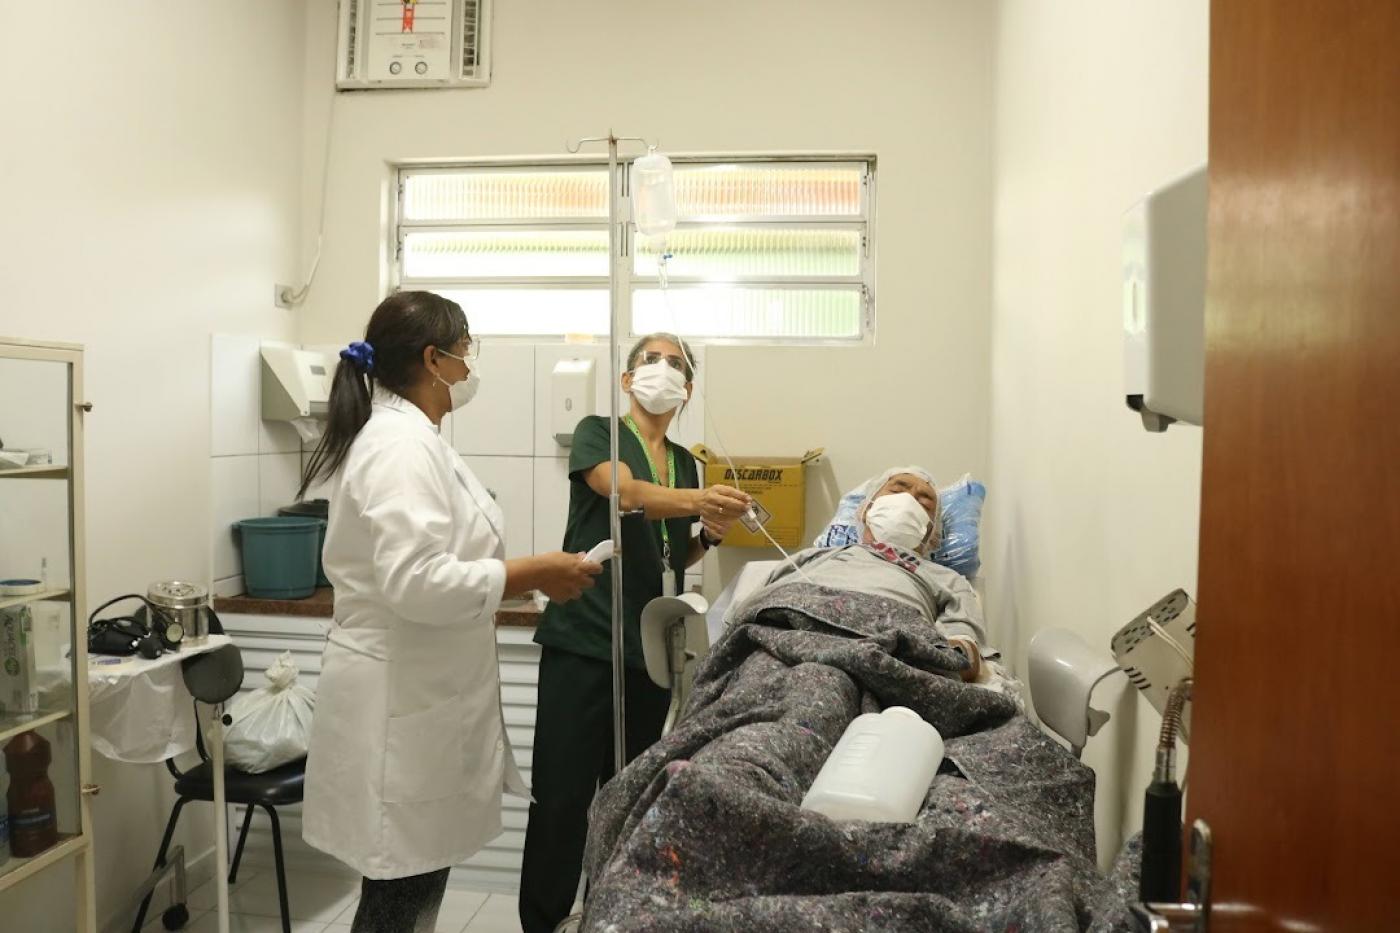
column 653, row 195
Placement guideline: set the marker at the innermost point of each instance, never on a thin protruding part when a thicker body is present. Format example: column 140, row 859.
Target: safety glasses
column 675, row 362
column 473, row 351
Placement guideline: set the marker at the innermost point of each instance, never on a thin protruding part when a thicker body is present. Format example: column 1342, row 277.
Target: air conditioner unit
column 414, row 44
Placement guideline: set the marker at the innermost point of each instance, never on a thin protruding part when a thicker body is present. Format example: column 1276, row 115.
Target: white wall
column 152, row 159
column 906, row 79
column 1090, row 518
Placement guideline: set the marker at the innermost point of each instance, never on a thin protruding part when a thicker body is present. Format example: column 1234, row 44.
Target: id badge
column 668, row 582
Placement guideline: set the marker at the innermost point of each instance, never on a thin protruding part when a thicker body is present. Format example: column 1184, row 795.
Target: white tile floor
column 327, row 903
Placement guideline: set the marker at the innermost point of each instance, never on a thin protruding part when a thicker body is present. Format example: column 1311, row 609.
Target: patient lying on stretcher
column 901, row 528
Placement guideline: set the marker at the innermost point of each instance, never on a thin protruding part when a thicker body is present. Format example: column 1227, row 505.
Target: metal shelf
column 13, row 725
column 16, row 870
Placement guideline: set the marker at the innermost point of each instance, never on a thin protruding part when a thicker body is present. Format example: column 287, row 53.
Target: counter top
column 321, row 604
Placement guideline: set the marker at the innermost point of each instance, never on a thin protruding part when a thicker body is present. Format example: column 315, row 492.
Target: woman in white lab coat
column 409, row 752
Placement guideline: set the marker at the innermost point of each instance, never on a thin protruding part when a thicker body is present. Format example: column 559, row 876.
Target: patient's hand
column 968, row 649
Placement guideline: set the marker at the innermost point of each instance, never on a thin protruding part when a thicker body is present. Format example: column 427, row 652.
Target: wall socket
column 281, row 296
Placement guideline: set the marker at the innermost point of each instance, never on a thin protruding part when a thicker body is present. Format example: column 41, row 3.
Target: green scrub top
column 584, row 626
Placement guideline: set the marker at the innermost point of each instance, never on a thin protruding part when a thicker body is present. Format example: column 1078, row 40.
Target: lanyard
column 670, row 480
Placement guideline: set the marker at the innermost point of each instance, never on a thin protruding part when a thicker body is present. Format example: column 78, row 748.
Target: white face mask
column 659, row 387
column 899, row 520
column 463, row 392
column 460, row 393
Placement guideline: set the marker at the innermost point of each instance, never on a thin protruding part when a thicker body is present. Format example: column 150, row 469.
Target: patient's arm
column 959, row 608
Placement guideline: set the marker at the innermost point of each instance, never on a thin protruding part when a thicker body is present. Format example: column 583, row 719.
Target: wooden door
column 1295, row 758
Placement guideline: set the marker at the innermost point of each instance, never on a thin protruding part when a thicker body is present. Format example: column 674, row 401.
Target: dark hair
column 641, row 345
column 398, row 330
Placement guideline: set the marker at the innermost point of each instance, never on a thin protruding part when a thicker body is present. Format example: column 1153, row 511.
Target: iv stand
column 616, row 273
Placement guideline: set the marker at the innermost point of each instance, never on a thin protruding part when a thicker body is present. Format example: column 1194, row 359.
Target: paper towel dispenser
column 296, row 384
column 1164, row 302
column 572, row 396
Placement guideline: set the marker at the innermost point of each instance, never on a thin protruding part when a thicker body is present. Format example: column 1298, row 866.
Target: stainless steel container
column 186, row 604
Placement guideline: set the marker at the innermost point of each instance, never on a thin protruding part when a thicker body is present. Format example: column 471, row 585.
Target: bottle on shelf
column 30, row 799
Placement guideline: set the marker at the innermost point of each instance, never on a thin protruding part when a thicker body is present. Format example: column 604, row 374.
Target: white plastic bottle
column 880, row 769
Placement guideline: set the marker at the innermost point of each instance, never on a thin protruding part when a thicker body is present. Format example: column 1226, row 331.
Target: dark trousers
column 573, row 757
column 403, row 905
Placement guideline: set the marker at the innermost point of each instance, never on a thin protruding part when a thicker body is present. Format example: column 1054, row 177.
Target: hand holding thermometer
column 602, row 551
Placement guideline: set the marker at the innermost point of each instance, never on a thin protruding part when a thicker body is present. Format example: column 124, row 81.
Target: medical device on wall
column 296, row 387
column 1164, row 293
column 411, row 44
column 572, row 396
column 1157, row 650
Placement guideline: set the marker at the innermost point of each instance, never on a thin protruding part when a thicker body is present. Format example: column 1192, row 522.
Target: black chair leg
column 160, row 859
column 281, row 869
column 242, row 838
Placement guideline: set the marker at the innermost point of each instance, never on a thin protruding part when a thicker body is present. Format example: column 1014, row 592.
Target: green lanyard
column 670, row 479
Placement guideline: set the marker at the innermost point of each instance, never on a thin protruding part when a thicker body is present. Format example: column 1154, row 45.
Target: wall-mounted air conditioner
column 414, row 43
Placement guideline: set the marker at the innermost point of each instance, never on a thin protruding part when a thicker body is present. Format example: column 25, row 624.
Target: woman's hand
column 715, row 531
column 559, row 575
column 567, row 576
column 721, row 505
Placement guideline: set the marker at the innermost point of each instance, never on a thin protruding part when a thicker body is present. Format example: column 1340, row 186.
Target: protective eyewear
column 473, row 352
column 675, row 362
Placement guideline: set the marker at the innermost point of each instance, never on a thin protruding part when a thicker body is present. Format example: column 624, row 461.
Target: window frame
column 865, row 280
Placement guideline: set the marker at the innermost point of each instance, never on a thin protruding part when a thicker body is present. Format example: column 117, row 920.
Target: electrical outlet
column 280, row 296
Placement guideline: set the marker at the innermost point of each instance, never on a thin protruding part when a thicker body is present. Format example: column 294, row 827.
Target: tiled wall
column 504, row 436
column 254, row 465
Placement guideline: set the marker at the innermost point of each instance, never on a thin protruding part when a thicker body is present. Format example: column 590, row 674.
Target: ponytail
column 348, row 411
column 391, row 357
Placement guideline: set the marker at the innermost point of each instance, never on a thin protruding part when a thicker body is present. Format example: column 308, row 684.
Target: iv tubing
column 664, row 279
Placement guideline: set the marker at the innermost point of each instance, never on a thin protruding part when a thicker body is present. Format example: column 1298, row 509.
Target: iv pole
column 616, row 272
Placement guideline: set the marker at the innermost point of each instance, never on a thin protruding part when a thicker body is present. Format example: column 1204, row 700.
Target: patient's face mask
column 659, row 387
column 899, row 520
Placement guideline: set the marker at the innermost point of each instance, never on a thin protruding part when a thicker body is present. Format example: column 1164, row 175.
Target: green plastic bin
column 315, row 508
column 280, row 555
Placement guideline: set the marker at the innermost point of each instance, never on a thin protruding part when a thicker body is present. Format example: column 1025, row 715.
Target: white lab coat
column 409, row 752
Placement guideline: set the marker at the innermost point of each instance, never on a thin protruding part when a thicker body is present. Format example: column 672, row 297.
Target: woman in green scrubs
column 574, row 719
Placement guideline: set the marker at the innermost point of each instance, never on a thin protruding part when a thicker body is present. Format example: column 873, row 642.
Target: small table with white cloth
column 140, row 712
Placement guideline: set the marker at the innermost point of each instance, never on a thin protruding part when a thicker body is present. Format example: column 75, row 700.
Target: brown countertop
column 320, row 605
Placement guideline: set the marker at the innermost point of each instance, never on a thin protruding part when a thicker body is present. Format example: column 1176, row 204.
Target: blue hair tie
column 360, row 355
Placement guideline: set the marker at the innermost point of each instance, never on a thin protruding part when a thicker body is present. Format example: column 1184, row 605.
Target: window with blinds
column 770, row 251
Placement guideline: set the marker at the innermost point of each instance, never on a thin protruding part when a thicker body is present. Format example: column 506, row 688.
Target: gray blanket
column 703, row 831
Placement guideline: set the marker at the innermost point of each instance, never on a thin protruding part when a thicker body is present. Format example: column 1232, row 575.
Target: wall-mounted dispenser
column 572, row 396
column 1164, row 301
column 296, row 387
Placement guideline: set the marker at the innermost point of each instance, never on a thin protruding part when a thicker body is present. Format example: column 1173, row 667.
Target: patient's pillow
column 961, row 504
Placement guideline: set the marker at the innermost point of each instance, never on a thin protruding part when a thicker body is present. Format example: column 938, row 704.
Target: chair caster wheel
column 175, row 917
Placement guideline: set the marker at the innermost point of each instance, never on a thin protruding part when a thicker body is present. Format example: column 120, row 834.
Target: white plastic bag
column 271, row 725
